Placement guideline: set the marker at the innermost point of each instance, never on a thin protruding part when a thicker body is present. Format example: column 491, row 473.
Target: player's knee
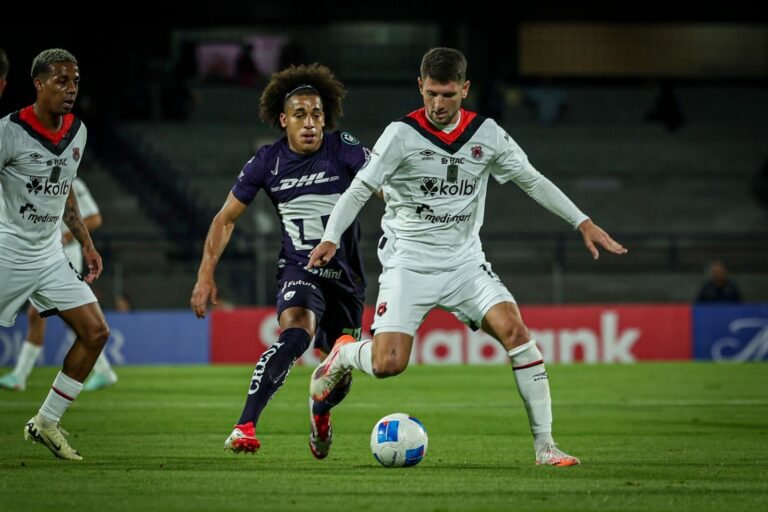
column 517, row 336
column 96, row 335
column 388, row 367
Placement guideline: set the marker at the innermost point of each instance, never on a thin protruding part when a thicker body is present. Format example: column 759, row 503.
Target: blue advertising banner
column 730, row 333
column 152, row 337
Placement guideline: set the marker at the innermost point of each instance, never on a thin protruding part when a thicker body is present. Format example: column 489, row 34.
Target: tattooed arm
column 79, row 231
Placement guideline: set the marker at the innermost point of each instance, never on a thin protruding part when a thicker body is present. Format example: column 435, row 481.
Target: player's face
column 303, row 120
column 57, row 90
column 442, row 101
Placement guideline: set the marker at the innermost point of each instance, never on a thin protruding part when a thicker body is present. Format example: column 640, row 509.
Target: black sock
column 271, row 371
column 335, row 397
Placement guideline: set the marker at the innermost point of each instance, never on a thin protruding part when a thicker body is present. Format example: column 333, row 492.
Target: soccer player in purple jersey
column 433, row 168
column 40, row 151
column 304, row 173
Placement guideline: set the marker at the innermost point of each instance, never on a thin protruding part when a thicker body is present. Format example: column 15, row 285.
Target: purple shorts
column 338, row 310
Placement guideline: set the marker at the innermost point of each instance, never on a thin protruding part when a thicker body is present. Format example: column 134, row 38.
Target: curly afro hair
column 289, row 81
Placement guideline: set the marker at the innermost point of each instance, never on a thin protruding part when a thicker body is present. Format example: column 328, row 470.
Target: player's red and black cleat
column 243, row 439
column 320, row 433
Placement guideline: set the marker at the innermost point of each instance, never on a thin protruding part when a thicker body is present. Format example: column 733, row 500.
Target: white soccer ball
column 399, row 440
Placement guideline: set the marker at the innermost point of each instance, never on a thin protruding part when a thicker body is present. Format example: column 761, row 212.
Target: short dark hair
column 302, row 79
column 4, row 64
column 42, row 63
column 444, row 65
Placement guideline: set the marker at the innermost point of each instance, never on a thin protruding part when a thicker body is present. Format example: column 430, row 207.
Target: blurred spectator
column 718, row 288
column 123, row 303
column 246, row 71
column 548, row 101
column 666, row 109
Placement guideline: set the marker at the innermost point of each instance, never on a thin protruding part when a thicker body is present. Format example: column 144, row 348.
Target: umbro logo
column 427, row 154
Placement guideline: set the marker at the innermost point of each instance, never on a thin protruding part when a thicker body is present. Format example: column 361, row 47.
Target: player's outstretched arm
column 594, row 235
column 219, row 233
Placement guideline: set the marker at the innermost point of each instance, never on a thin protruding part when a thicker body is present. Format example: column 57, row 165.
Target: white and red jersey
column 37, row 171
column 435, row 181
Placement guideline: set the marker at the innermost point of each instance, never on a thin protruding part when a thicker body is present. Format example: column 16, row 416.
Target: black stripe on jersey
column 56, row 149
column 454, row 146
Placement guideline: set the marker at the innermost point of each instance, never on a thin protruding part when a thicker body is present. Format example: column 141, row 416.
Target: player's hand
column 321, row 255
column 594, row 234
column 205, row 290
column 93, row 262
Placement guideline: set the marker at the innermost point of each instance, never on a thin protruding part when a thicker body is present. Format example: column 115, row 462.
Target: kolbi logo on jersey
column 47, row 185
column 438, row 187
column 305, row 181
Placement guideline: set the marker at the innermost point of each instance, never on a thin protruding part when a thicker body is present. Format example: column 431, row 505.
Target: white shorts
column 406, row 296
column 56, row 288
column 75, row 254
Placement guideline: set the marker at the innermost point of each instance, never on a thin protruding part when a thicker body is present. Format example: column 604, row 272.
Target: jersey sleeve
column 386, row 156
column 4, row 143
column 250, row 179
column 511, row 162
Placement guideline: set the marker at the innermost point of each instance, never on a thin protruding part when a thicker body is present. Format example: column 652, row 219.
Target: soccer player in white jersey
column 40, row 150
column 103, row 375
column 433, row 166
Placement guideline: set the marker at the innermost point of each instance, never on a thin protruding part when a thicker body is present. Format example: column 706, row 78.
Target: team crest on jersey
column 381, row 309
column 76, row 154
column 477, row 152
column 348, row 138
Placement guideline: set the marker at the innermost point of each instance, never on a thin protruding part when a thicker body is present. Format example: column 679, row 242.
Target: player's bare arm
column 79, row 231
column 594, row 234
column 219, row 234
column 92, row 223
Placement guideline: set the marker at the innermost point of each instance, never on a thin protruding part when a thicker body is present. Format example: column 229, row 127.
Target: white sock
column 533, row 385
column 26, row 360
column 358, row 355
column 103, row 367
column 63, row 392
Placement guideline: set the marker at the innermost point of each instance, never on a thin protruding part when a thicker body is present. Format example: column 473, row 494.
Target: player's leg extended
column 29, row 353
column 91, row 332
column 271, row 370
column 503, row 322
column 343, row 314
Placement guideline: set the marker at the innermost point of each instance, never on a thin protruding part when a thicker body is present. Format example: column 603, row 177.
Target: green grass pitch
column 661, row 437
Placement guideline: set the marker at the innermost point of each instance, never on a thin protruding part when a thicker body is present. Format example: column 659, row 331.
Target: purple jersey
column 304, row 190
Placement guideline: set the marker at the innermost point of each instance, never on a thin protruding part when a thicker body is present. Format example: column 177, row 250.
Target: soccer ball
column 398, row 440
